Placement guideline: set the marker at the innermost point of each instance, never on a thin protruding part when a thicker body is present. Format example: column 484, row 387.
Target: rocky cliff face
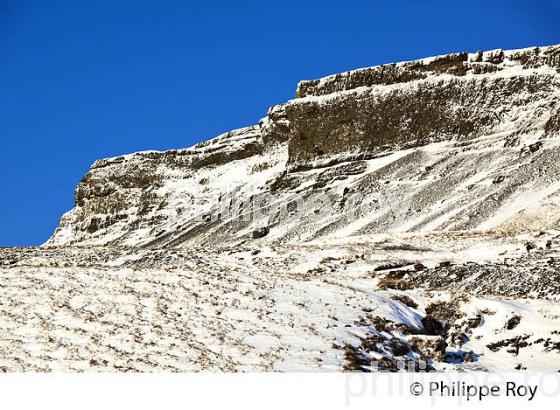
column 456, row 142
column 451, row 100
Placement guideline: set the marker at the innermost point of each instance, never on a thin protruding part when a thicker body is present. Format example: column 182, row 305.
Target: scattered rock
column 512, row 322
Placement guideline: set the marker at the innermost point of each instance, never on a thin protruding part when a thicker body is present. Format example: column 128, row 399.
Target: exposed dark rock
column 433, row 326
column 513, row 322
column 260, row 233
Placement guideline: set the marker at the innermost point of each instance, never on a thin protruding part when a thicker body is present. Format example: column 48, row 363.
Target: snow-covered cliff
column 456, row 142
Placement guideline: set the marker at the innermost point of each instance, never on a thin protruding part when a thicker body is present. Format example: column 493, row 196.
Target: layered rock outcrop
column 458, row 96
column 457, row 142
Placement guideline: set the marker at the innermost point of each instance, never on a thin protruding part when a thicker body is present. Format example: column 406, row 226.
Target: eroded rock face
column 457, row 142
column 459, row 96
column 459, row 64
column 419, row 113
column 131, row 199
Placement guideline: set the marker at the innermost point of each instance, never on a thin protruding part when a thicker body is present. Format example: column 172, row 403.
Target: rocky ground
column 423, row 302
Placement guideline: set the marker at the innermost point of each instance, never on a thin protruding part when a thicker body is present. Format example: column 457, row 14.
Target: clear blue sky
column 81, row 80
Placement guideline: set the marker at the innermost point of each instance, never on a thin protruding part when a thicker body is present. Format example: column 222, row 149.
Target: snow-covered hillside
column 425, row 302
column 405, row 213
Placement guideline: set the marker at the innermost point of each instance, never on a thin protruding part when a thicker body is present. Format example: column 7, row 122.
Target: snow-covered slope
column 404, row 214
column 424, row 302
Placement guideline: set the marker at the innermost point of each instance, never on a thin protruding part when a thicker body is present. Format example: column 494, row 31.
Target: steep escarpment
column 136, row 198
column 459, row 97
column 457, row 142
